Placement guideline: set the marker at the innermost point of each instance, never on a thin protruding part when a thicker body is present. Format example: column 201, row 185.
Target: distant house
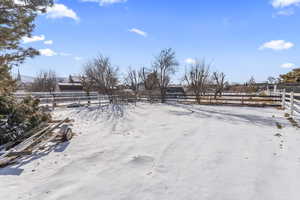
column 74, row 79
column 175, row 91
column 70, row 87
column 73, row 84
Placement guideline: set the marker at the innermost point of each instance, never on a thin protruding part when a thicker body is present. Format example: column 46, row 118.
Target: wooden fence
column 288, row 101
column 239, row 99
column 244, row 99
column 291, row 103
column 57, row 99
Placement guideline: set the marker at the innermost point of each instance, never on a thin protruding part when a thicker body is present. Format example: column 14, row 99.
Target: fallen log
column 22, row 153
column 57, row 121
column 16, row 148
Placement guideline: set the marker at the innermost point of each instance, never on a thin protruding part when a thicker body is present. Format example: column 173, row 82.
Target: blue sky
column 257, row 38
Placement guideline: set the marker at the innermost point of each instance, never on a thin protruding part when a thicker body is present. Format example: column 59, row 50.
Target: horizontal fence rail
column 288, row 101
column 224, row 99
column 291, row 103
column 75, row 98
column 67, row 98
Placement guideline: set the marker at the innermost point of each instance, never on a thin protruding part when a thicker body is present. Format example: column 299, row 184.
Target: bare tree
column 251, row 86
column 102, row 74
column 133, row 80
column 197, row 78
column 219, row 82
column 87, row 86
column 46, row 81
column 71, row 80
column 251, row 81
column 165, row 66
column 149, row 79
column 271, row 80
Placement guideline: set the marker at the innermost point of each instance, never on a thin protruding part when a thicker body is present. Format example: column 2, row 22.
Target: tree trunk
column 198, row 97
column 220, row 93
column 163, row 95
column 216, row 94
column 89, row 98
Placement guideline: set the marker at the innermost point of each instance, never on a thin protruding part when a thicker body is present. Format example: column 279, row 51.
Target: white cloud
column 47, row 52
column 190, row 61
column 35, row 38
column 287, row 12
column 105, row 2
column 277, row 45
column 48, row 42
column 77, row 58
column 288, row 65
column 50, row 52
column 138, row 31
column 61, row 11
column 285, row 3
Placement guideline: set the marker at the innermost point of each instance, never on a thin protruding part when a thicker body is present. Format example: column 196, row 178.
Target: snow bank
column 167, row 152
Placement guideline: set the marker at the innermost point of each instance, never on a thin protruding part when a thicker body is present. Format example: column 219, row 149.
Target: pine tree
column 7, row 84
column 16, row 22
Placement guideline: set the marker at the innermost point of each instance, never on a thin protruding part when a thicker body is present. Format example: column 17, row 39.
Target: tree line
column 99, row 74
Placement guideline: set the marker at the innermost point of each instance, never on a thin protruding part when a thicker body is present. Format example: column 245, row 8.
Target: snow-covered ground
column 164, row 152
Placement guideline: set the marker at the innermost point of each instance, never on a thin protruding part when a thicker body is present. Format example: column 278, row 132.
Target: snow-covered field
column 164, row 152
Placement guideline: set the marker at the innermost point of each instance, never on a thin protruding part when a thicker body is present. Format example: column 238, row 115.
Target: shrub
column 19, row 117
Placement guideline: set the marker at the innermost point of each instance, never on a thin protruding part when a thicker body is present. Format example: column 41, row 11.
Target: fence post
column 292, row 103
column 89, row 100
column 242, row 100
column 283, row 98
column 275, row 89
column 53, row 102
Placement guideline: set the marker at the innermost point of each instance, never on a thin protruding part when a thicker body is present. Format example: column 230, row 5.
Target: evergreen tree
column 291, row 77
column 7, row 84
column 16, row 22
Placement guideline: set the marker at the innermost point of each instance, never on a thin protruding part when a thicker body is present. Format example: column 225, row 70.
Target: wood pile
column 58, row 130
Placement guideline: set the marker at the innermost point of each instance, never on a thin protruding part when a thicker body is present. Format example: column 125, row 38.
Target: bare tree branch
column 197, row 78
column 133, row 79
column 102, row 74
column 46, row 81
column 165, row 66
column 219, row 81
column 149, row 79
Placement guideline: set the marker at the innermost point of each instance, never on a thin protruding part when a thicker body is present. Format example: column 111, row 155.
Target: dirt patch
column 293, row 122
column 278, row 135
column 278, row 125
